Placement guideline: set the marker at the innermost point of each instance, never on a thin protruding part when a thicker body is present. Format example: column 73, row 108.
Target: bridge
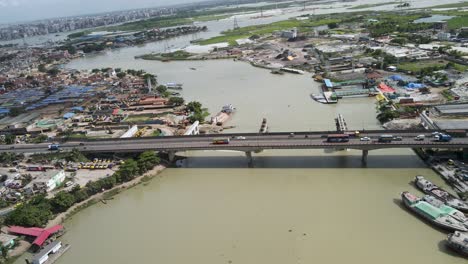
column 246, row 142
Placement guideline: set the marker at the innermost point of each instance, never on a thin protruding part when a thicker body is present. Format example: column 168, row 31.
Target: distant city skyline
column 14, row 11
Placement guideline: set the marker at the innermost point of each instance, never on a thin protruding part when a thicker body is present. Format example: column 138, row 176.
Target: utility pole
column 236, row 25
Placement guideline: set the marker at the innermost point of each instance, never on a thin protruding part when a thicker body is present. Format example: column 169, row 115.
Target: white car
column 365, row 139
column 240, row 137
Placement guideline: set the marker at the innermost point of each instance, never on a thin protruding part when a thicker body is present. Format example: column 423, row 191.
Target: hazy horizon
column 14, row 11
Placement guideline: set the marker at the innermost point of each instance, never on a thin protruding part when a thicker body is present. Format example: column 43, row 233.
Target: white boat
column 458, row 241
column 429, row 188
column 174, row 86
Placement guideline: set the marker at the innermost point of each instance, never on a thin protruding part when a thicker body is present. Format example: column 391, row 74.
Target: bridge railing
column 303, row 133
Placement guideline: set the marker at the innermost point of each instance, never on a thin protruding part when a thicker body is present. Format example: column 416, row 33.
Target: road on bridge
column 240, row 142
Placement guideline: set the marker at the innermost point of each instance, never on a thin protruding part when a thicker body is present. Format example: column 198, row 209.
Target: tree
column 41, row 68
column 62, row 201
column 95, row 70
column 194, row 106
column 332, row 25
column 121, row 74
column 176, row 101
column 161, row 89
column 53, row 72
column 147, row 160
column 16, row 111
column 79, row 194
column 10, row 139
column 128, row 170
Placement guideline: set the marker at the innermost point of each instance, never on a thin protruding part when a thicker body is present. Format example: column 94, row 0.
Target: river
column 302, row 206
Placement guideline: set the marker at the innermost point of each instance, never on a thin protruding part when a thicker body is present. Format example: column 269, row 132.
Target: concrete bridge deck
column 252, row 142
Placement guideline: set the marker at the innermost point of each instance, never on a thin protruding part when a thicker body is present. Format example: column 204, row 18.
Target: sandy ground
column 62, row 216
column 20, row 249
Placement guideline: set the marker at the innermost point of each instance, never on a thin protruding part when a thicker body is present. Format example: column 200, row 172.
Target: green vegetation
column 230, row 36
column 78, row 34
column 177, row 101
column 157, row 22
column 176, row 55
column 138, row 118
column 448, row 95
column 372, row 5
column 8, row 157
column 73, row 156
column 385, row 112
column 458, row 22
column 390, row 23
column 420, row 65
column 454, row 5
column 39, row 210
column 197, row 112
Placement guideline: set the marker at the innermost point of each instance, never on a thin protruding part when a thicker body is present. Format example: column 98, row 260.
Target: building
column 443, row 36
column 40, row 234
column 43, row 255
column 49, row 180
column 289, row 33
column 7, row 241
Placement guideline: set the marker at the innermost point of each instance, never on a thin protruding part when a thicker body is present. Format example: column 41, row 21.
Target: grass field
column 417, row 66
column 231, row 36
column 373, row 5
column 138, row 118
column 454, row 5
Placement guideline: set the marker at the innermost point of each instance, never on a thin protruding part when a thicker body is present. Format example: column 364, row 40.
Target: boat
column 276, row 72
column 429, row 188
column 431, row 213
column 193, row 69
column 291, row 70
column 174, row 86
column 458, row 241
column 223, row 115
column 458, row 215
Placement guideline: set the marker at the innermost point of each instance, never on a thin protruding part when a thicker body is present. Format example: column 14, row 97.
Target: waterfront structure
column 43, row 255
column 41, row 234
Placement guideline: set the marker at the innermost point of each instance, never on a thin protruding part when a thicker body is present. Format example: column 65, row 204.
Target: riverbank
column 103, row 196
column 60, row 218
column 181, row 55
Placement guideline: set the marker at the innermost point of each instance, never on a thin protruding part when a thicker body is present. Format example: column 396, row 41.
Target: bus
column 337, row 138
column 385, row 138
column 220, row 141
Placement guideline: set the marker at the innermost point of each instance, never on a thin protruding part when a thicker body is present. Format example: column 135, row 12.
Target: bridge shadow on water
column 319, row 162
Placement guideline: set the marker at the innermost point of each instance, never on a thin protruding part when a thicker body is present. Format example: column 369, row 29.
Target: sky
column 27, row 10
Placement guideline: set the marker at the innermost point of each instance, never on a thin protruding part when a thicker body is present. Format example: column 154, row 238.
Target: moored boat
column 429, row 188
column 174, row 86
column 431, row 213
column 447, row 209
column 458, row 241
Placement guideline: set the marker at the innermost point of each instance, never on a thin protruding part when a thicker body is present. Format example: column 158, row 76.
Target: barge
column 429, row 188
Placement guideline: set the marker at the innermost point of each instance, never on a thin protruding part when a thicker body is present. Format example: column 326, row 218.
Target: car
column 398, row 138
column 291, row 135
column 240, row 137
column 419, row 137
column 81, row 144
column 365, row 139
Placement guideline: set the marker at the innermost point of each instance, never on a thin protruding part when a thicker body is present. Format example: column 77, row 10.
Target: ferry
column 458, row 241
column 429, row 188
column 431, row 213
column 447, row 209
column 174, row 86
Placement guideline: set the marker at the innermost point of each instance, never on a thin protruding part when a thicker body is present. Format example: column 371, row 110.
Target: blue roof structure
column 328, row 83
column 68, row 115
column 396, row 77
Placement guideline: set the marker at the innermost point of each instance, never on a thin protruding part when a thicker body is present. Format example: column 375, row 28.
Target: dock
column 50, row 253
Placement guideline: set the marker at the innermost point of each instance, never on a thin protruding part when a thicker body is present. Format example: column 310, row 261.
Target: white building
column 49, row 180
column 443, row 36
column 289, row 33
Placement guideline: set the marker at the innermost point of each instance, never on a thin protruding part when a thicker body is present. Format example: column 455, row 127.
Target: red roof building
column 40, row 233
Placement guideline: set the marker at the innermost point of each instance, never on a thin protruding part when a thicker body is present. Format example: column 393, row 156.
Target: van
column 419, row 137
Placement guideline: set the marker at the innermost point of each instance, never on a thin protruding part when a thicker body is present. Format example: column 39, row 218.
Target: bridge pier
column 365, row 153
column 171, row 155
column 248, row 154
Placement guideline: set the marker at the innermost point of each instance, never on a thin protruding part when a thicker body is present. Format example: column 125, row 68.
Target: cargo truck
column 443, row 138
